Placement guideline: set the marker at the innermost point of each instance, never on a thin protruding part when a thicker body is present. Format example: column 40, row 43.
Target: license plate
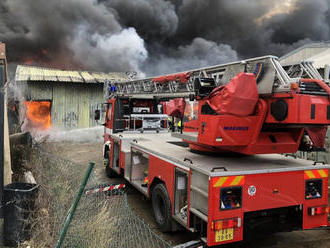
column 224, row 235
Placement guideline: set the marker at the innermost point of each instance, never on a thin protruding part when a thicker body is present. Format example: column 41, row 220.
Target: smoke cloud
column 93, row 134
column 200, row 53
column 126, row 48
column 156, row 36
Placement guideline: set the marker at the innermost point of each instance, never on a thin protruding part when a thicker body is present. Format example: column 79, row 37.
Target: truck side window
column 191, row 111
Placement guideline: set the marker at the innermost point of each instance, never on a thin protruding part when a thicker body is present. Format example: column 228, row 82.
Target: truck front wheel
column 161, row 206
column 108, row 171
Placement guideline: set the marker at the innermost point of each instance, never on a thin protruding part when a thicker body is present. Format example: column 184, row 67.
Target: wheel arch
column 154, row 182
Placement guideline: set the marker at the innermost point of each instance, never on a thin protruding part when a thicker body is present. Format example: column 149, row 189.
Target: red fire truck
column 221, row 174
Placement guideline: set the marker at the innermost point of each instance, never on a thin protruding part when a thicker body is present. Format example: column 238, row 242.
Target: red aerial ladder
column 249, row 107
column 222, row 174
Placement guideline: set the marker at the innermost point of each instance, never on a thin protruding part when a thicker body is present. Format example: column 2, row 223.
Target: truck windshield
column 191, row 111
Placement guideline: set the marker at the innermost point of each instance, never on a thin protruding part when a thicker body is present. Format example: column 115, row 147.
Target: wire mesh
column 102, row 219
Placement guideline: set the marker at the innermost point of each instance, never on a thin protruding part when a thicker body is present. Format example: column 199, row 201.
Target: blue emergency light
column 112, row 88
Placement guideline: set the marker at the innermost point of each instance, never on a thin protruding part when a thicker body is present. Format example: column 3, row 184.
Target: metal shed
column 318, row 53
column 67, row 98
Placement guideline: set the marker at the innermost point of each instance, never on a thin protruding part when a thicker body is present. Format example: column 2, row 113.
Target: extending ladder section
column 303, row 69
column 271, row 77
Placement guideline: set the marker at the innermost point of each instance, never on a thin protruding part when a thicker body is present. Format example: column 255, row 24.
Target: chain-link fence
column 321, row 157
column 101, row 219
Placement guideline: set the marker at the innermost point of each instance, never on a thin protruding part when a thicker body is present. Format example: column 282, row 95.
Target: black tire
column 161, row 206
column 109, row 171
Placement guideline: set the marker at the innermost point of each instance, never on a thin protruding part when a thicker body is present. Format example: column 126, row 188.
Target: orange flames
column 56, row 60
column 28, row 62
column 38, row 114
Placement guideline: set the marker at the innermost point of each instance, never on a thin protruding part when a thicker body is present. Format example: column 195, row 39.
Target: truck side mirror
column 97, row 114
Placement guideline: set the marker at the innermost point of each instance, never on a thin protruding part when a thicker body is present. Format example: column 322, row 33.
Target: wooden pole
column 2, row 115
column 5, row 166
column 7, row 179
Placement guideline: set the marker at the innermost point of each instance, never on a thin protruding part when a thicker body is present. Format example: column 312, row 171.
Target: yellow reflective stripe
column 237, row 180
column 322, row 173
column 220, row 182
column 310, row 174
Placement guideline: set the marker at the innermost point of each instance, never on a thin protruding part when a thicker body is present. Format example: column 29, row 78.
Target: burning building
column 60, row 98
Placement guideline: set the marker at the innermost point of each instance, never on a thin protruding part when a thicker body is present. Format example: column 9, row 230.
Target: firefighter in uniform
column 180, row 126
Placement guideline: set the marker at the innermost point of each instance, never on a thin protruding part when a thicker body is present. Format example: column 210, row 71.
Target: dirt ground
column 82, row 153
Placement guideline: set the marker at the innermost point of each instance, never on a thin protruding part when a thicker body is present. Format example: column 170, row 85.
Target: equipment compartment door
column 115, row 155
column 181, row 195
column 139, row 171
column 273, row 190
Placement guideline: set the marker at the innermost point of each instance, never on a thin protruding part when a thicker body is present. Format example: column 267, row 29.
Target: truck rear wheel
column 161, row 206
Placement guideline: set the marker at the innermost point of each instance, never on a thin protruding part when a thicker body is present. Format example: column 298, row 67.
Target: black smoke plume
column 156, row 36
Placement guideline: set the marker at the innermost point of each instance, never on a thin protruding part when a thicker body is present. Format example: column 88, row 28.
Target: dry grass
column 100, row 220
column 59, row 181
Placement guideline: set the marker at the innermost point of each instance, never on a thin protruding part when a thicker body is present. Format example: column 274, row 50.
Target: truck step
column 191, row 244
column 204, row 239
column 202, row 192
column 199, row 214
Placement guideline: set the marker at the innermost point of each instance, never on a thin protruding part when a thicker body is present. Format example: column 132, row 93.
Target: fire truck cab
column 127, row 115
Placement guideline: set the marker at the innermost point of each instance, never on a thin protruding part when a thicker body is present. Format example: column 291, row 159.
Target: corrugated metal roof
column 87, row 77
column 33, row 73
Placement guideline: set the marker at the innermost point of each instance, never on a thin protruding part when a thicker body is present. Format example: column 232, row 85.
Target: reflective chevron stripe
column 310, row 174
column 229, row 181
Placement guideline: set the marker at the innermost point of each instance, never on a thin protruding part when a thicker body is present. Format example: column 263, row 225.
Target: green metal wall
column 72, row 104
